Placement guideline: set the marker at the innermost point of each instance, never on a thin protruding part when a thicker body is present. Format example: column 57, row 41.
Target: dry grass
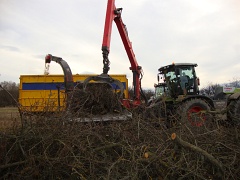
column 9, row 118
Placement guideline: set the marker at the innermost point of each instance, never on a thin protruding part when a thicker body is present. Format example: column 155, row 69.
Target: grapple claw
column 105, row 78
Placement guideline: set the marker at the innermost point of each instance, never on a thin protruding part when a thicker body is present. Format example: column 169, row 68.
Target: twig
column 192, row 147
column 12, row 164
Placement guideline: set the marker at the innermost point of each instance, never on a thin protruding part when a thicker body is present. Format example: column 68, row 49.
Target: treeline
column 9, row 93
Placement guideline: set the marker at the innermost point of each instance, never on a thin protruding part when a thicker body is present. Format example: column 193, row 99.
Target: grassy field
column 9, row 118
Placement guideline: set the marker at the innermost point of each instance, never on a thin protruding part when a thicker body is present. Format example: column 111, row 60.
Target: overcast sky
column 206, row 32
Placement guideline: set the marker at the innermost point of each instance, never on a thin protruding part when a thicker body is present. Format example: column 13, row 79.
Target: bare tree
column 234, row 83
column 6, row 88
column 147, row 92
column 209, row 90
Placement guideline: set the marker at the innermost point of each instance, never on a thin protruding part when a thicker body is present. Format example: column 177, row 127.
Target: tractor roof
column 177, row 64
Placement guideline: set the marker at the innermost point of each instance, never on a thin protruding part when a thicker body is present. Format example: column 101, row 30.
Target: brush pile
column 95, row 100
column 48, row 146
column 136, row 149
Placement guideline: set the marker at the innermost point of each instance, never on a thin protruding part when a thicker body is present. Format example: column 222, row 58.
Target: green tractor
column 229, row 97
column 180, row 95
column 160, row 90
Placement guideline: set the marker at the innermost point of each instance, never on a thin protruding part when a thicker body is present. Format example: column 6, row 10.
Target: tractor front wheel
column 194, row 112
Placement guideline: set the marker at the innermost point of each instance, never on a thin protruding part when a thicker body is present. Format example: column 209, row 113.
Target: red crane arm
column 114, row 13
column 108, row 24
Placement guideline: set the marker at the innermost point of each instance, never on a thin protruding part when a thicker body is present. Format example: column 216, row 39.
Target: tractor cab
column 160, row 89
column 180, row 79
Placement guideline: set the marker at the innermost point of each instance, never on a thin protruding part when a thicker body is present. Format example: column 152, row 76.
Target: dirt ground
column 9, row 118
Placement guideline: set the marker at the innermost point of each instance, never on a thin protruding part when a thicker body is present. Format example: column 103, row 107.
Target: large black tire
column 194, row 112
column 233, row 113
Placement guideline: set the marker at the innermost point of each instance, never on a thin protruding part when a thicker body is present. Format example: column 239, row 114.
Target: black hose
column 141, row 91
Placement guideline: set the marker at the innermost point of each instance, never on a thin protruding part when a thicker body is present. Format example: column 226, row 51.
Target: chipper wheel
column 233, row 113
column 193, row 112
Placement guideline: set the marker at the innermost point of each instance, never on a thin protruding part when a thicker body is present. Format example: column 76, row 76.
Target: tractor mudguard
column 234, row 96
column 207, row 99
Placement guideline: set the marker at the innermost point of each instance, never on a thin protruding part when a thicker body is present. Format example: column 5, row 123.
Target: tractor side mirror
column 198, row 81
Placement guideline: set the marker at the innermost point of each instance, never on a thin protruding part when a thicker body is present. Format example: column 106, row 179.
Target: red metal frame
column 114, row 13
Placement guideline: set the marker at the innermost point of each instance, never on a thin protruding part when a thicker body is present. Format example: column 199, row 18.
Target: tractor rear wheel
column 233, row 113
column 194, row 112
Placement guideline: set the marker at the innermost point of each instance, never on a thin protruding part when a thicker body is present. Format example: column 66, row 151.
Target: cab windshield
column 159, row 91
column 180, row 79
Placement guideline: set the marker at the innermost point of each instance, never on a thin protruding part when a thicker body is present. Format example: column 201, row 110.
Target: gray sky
column 206, row 32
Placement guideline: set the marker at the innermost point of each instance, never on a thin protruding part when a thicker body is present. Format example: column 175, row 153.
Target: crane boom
column 114, row 14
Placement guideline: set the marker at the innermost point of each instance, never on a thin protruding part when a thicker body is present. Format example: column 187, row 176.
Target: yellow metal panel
column 42, row 100
column 32, row 94
column 41, row 78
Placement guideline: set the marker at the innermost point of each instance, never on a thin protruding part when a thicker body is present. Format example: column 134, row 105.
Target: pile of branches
column 97, row 99
column 49, row 146
column 136, row 149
